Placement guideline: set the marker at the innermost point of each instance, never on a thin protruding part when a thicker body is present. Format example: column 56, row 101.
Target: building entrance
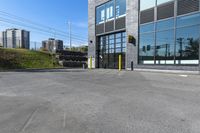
column 109, row 48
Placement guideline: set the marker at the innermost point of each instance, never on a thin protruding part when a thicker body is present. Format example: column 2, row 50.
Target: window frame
column 114, row 9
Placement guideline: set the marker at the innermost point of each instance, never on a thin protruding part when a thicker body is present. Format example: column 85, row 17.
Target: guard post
column 120, row 62
column 132, row 66
column 90, row 62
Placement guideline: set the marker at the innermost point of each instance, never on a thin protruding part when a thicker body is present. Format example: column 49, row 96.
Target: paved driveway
column 99, row 101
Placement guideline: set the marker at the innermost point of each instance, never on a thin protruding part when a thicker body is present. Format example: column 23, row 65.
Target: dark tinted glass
column 111, row 46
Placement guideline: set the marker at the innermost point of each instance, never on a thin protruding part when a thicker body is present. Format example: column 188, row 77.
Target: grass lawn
column 26, row 59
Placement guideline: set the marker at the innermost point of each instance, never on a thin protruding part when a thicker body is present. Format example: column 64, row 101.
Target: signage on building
column 131, row 39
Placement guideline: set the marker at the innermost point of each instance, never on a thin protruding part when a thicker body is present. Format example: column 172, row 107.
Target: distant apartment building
column 1, row 40
column 52, row 45
column 15, row 38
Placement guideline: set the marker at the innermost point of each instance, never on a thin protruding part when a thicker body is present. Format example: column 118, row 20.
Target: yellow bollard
column 90, row 62
column 120, row 62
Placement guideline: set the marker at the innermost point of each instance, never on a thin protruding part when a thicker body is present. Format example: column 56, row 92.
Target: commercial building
column 160, row 34
column 52, row 45
column 15, row 38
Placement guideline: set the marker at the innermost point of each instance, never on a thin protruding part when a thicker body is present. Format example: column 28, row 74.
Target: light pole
column 70, row 38
column 35, row 46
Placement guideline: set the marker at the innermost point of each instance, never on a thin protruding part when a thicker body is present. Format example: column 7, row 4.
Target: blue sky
column 51, row 13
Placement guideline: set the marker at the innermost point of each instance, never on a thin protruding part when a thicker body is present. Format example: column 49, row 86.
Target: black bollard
column 132, row 66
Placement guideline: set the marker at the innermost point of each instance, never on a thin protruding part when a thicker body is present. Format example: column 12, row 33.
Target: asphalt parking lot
column 99, row 101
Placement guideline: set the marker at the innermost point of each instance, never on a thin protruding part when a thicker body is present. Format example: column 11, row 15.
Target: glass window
column 124, row 39
column 123, row 44
column 111, row 59
column 163, row 1
column 147, row 28
column 101, row 43
column 100, row 14
column 109, row 11
column 118, row 40
column 101, row 40
column 118, row 45
column 111, row 41
column 124, row 34
column 146, row 4
column 118, row 35
column 112, row 37
column 107, row 40
column 112, row 48
column 120, row 8
column 188, row 20
column 124, row 50
column 118, row 50
column 146, row 49
column 165, row 47
column 166, row 24
column 187, row 45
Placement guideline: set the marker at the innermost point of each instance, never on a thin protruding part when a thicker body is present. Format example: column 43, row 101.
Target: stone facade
column 91, row 26
column 132, row 26
column 132, row 29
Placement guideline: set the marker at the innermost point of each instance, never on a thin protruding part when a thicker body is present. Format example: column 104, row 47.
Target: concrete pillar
column 132, row 29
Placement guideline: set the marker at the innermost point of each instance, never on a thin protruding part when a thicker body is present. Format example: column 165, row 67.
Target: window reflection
column 146, row 4
column 163, row 1
column 110, row 10
column 120, row 8
column 188, row 20
column 187, row 45
column 100, row 14
column 174, row 45
column 146, row 49
column 165, row 47
column 147, row 28
column 164, row 25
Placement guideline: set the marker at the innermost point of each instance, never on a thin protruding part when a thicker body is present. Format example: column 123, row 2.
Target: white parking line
column 28, row 121
column 185, row 76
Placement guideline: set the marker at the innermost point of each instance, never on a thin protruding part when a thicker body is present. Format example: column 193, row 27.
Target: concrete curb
column 166, row 71
column 45, row 70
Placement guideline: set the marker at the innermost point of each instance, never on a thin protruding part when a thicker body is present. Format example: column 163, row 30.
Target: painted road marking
column 28, row 121
column 185, row 76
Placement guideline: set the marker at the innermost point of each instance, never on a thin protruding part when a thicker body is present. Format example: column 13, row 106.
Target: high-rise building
column 1, row 39
column 161, row 34
column 15, row 38
column 52, row 45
